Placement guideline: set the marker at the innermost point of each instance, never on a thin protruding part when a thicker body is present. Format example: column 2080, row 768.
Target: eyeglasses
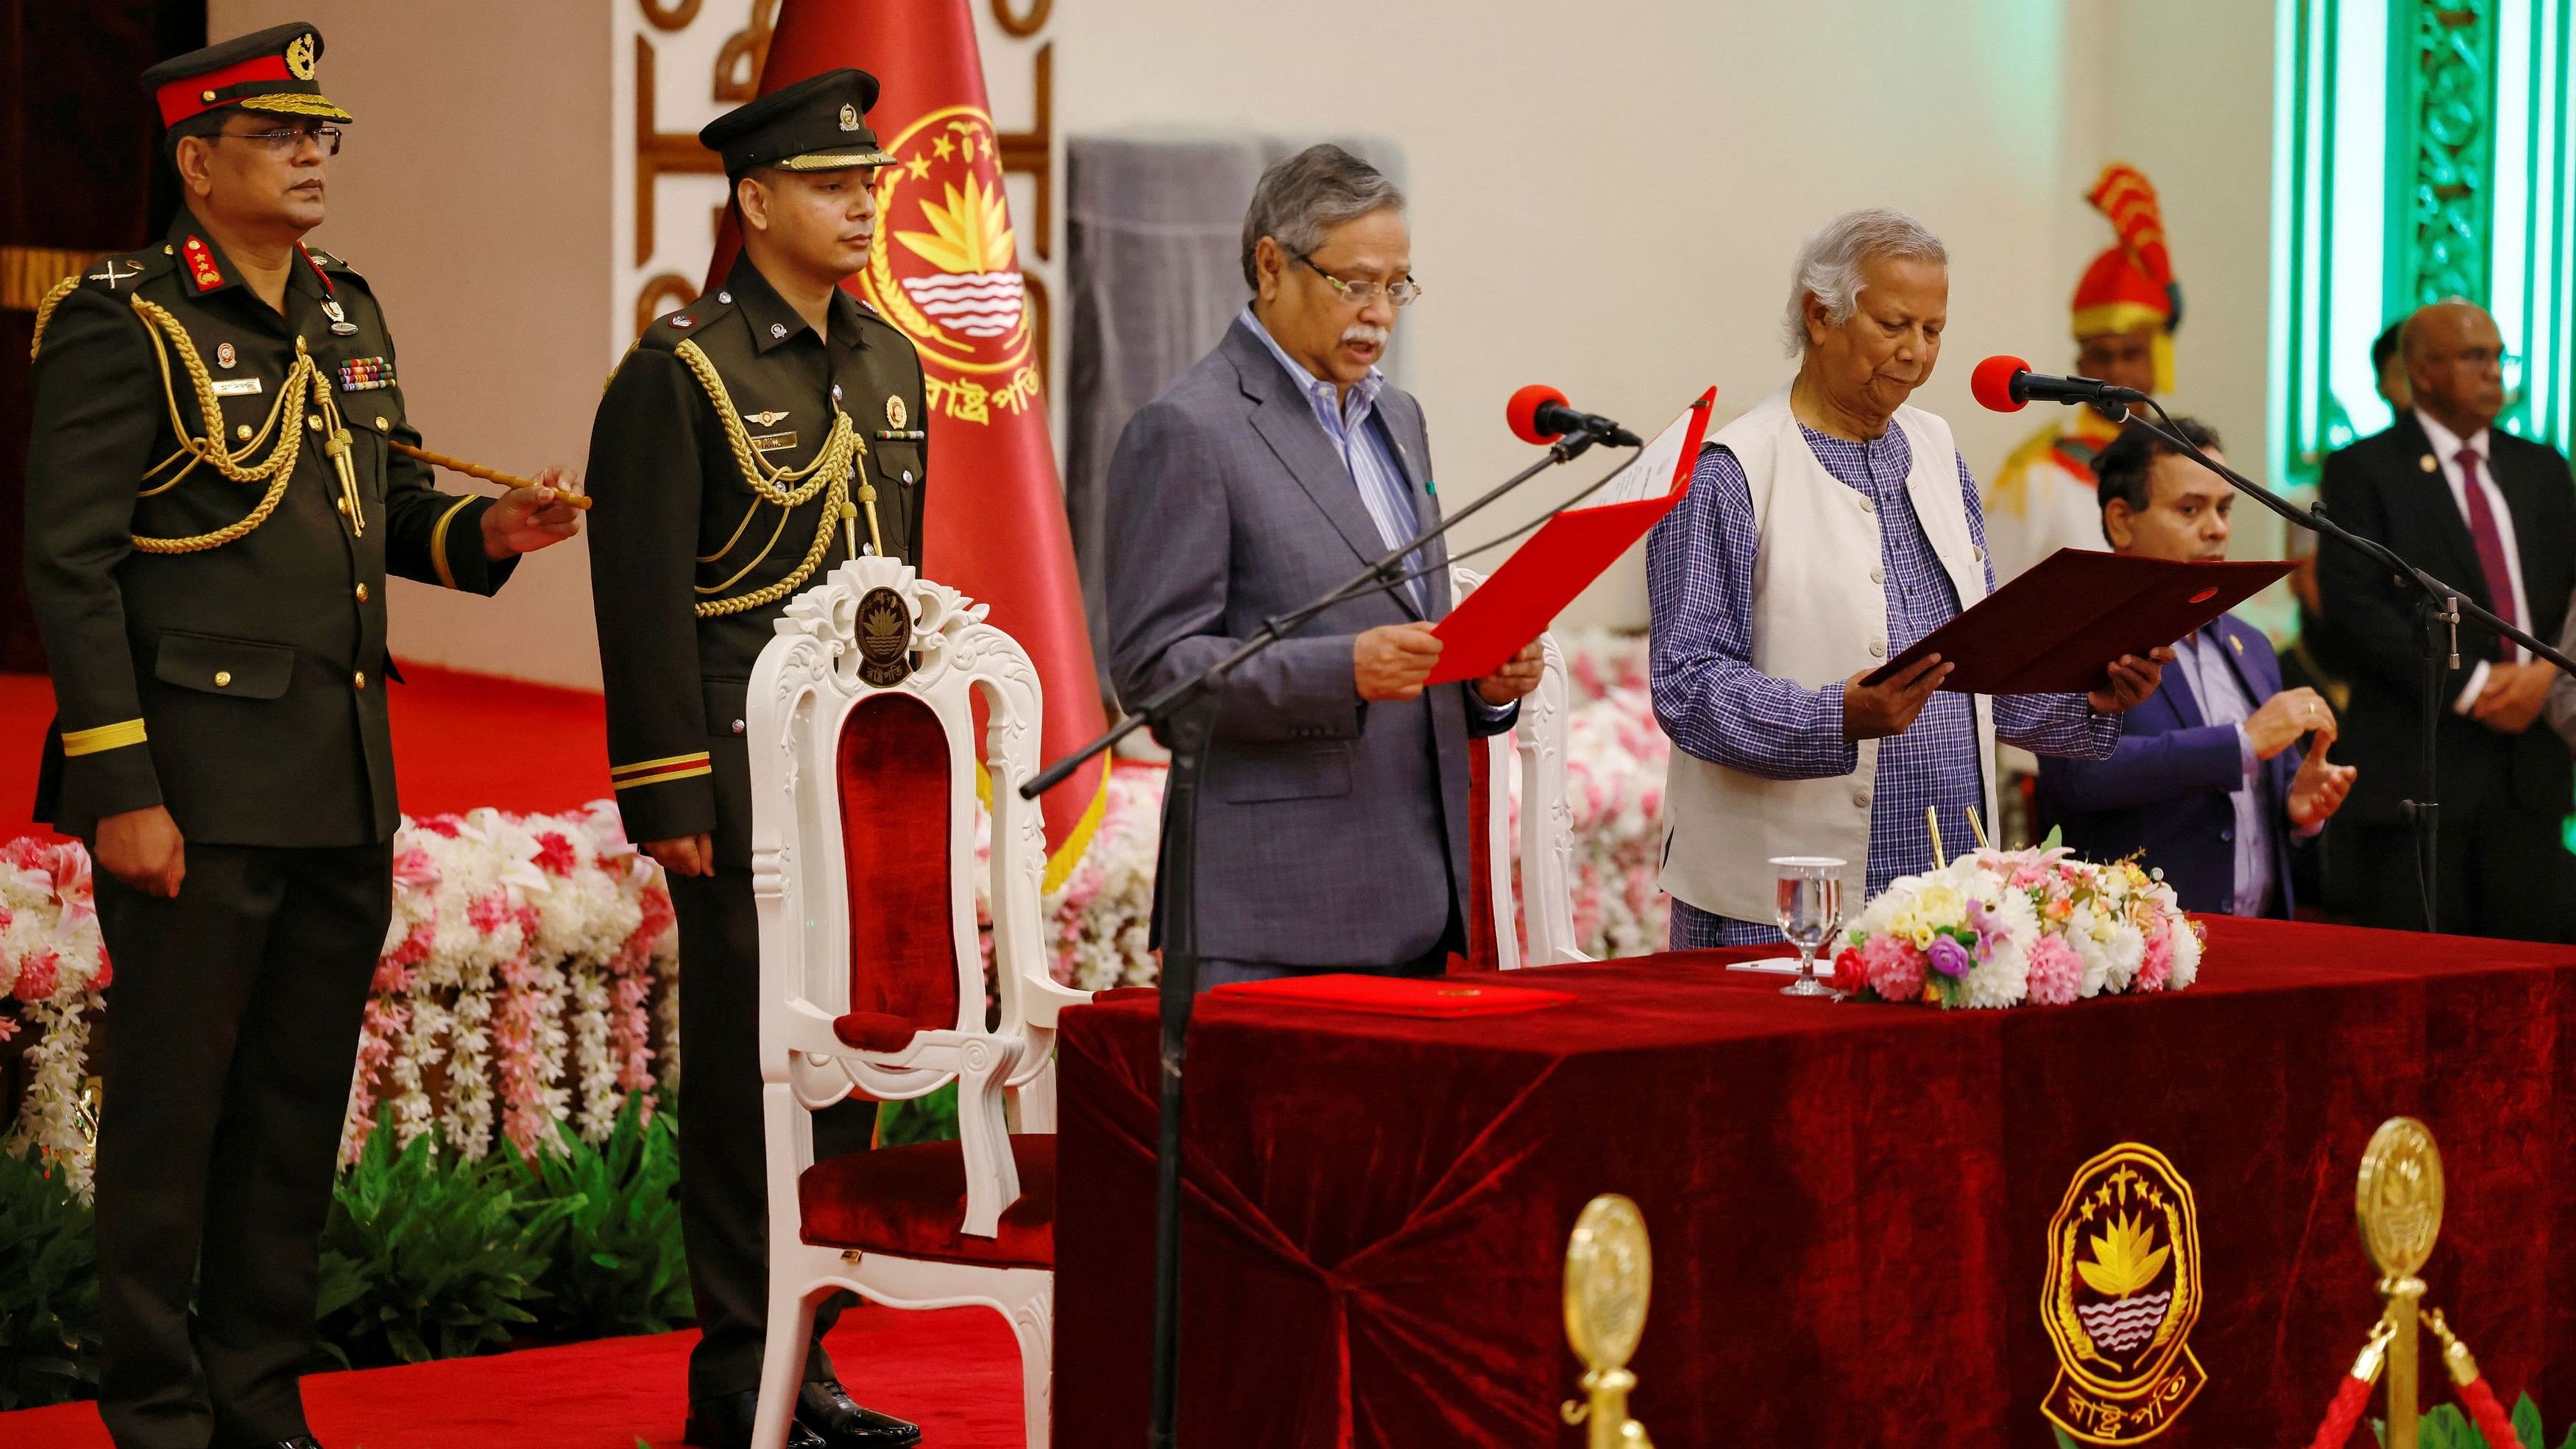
column 288, row 141
column 2482, row 357
column 1360, row 294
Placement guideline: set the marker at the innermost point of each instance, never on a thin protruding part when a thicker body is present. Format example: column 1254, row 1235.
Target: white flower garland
column 530, row 967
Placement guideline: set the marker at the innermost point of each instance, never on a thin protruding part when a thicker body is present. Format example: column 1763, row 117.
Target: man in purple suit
column 2208, row 779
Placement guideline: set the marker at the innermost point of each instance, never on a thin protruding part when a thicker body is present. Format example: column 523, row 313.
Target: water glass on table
column 1810, row 906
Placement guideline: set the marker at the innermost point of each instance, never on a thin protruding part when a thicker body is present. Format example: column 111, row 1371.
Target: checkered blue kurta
column 1717, row 706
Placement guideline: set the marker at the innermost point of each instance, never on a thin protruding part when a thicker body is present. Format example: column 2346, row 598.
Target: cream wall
column 473, row 195
column 1605, row 198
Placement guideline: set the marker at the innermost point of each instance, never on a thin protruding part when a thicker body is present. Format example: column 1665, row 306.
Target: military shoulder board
column 365, row 374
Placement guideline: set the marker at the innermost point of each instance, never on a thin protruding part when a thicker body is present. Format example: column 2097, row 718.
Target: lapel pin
column 224, row 354
column 2427, row 464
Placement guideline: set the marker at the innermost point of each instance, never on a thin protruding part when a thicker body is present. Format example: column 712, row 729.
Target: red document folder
column 1441, row 996
column 2056, row 629
column 1568, row 552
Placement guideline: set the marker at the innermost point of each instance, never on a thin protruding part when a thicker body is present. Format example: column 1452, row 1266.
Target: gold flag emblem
column 946, row 267
column 2120, row 1296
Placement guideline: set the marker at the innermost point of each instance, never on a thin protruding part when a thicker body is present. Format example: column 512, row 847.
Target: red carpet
column 954, row 1371
column 460, row 741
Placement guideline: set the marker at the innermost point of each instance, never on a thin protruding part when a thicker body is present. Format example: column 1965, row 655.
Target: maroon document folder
column 2057, row 628
column 1568, row 552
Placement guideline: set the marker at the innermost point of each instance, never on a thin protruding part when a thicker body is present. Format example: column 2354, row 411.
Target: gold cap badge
column 849, row 118
column 895, row 412
column 299, row 57
column 2119, row 1298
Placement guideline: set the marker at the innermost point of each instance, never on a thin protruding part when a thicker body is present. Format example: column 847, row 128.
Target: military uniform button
column 362, row 679
column 223, row 678
column 313, row 421
column 380, row 423
column 724, row 296
column 907, row 475
column 362, row 593
column 206, row 96
column 737, row 726
column 242, row 431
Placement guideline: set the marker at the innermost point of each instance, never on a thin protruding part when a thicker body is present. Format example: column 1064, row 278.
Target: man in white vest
column 1826, row 531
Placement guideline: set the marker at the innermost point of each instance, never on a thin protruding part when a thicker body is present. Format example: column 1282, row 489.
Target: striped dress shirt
column 1350, row 425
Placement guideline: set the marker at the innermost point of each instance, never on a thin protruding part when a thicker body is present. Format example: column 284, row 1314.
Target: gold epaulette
column 828, row 476
column 2010, row 497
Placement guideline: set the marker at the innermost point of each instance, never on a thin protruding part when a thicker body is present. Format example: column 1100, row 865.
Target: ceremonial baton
column 488, row 475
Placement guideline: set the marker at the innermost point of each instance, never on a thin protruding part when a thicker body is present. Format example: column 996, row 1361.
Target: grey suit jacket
column 1331, row 832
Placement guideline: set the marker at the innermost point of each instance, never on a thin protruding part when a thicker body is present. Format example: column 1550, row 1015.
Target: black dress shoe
column 724, row 1422
column 826, row 1408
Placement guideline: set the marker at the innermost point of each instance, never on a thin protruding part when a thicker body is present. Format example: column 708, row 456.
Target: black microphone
column 2006, row 385
column 1538, row 414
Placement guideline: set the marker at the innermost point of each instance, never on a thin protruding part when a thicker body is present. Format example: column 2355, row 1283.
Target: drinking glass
column 1810, row 911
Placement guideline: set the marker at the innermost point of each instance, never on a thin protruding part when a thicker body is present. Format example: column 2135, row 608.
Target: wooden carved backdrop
column 735, row 78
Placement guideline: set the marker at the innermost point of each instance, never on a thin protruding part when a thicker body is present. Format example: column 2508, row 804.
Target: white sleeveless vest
column 1817, row 613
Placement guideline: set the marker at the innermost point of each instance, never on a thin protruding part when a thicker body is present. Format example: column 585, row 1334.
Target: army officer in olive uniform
column 213, row 503
column 748, row 443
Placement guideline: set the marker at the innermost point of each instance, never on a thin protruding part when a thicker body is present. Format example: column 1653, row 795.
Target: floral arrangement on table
column 1998, row 928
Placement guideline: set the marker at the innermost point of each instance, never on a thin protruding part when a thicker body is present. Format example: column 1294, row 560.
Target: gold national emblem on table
column 2120, row 1296
column 885, row 638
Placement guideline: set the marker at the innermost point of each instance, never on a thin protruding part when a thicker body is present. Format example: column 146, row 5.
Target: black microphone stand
column 1185, row 713
column 2442, row 610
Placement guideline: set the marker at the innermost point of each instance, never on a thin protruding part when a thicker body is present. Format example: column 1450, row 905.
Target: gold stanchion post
column 1608, row 1276
column 2400, row 1206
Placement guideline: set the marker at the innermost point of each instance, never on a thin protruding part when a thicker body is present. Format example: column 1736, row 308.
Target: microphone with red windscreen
column 1992, row 384
column 2006, row 384
column 1538, row 415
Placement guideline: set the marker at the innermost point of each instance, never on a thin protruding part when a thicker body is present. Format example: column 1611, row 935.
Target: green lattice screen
column 2421, row 151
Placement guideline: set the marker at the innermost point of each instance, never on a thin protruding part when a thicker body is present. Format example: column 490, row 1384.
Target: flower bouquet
column 1999, row 928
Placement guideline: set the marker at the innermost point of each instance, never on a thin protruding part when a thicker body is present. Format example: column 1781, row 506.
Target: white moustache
column 1368, row 332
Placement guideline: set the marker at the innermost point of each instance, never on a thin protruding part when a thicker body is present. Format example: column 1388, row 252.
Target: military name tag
column 235, row 386
column 769, row 441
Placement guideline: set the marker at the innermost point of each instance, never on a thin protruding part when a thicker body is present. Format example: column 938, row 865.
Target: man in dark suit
column 2208, row 778
column 2495, row 516
column 1333, row 835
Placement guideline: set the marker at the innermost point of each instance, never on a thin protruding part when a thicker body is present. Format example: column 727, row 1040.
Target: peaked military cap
column 817, row 124
column 269, row 71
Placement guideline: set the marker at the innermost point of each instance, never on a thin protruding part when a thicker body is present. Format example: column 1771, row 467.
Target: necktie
column 2489, row 539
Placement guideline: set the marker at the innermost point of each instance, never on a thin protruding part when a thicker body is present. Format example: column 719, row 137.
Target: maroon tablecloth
column 1849, row 1203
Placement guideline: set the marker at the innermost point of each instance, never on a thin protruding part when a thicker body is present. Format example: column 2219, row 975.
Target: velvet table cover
column 1848, row 1203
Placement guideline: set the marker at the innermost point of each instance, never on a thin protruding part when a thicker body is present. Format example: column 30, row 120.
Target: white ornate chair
column 1534, row 752
column 863, row 847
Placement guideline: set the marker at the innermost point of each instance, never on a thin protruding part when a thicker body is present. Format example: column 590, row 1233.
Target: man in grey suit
column 1332, row 832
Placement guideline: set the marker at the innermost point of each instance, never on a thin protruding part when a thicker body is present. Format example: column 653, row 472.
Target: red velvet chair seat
column 909, row 1201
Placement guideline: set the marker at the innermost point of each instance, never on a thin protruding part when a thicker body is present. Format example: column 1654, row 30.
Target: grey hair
column 1303, row 198
column 1834, row 257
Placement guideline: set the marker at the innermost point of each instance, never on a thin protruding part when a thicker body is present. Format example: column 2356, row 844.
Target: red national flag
column 946, row 271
